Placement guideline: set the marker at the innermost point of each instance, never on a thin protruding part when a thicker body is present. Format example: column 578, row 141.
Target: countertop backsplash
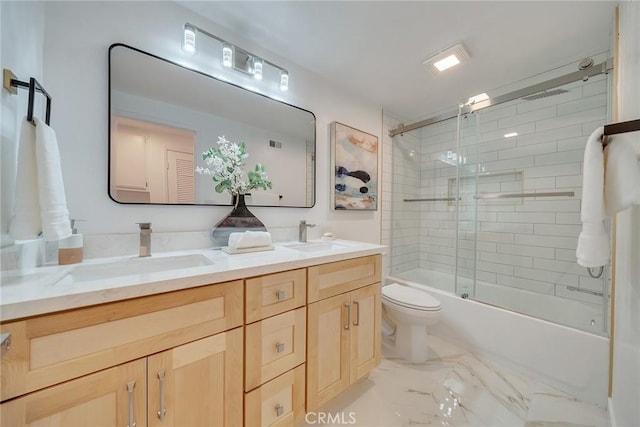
column 29, row 254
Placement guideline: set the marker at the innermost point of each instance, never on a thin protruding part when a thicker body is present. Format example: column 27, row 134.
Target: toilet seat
column 408, row 297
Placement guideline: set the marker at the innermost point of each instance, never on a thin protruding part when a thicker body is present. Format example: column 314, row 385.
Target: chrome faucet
column 302, row 230
column 145, row 238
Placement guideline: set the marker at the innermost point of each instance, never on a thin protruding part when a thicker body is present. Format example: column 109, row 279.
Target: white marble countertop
column 53, row 288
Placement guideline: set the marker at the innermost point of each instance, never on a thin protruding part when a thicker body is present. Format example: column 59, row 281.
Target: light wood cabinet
column 278, row 403
column 254, row 352
column 114, row 397
column 101, row 350
column 343, row 342
column 197, row 384
column 275, row 348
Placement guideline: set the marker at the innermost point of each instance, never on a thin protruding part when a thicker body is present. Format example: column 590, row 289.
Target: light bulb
column 227, row 55
column 284, row 80
column 189, row 39
column 257, row 68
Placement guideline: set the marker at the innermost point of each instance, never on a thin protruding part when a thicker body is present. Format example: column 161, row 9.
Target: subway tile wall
column 522, row 243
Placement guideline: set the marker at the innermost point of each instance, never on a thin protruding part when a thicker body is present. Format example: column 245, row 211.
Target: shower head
column 544, row 94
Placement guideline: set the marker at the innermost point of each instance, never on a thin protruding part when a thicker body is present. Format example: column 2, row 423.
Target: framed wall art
column 355, row 163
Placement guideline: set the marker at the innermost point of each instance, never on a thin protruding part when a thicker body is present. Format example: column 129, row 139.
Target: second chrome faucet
column 145, row 239
column 302, row 230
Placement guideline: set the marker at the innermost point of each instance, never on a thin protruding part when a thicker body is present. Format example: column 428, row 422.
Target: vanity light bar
column 233, row 56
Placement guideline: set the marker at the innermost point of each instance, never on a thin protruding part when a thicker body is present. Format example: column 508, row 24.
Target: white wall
column 78, row 35
column 22, row 25
column 624, row 407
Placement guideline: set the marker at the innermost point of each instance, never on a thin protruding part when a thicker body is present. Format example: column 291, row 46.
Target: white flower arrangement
column 225, row 164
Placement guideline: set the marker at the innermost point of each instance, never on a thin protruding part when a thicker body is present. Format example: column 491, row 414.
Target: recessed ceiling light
column 447, row 58
column 447, row 62
column 510, row 135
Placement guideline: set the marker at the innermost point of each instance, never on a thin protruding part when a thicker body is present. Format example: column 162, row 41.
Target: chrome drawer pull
column 279, row 347
column 357, row 321
column 130, row 386
column 280, row 295
column 163, row 410
column 348, row 306
column 5, row 342
column 279, row 410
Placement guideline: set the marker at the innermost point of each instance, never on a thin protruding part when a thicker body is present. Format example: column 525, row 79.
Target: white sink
column 314, row 246
column 135, row 266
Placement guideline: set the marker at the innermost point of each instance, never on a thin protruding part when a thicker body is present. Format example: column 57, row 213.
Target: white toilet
column 407, row 313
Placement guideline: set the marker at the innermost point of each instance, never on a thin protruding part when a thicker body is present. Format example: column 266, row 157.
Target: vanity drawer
column 278, row 403
column 53, row 348
column 273, row 346
column 327, row 280
column 275, row 293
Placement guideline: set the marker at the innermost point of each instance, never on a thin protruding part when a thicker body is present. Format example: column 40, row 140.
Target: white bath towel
column 593, row 242
column 41, row 204
column 53, row 201
column 249, row 239
column 25, row 223
column 622, row 173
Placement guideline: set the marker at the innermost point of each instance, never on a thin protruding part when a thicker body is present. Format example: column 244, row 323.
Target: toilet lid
column 409, row 297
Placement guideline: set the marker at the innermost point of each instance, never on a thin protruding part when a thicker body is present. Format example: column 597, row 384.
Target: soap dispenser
column 70, row 249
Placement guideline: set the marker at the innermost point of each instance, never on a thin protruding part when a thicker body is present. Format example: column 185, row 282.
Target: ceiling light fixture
column 510, row 135
column 227, row 55
column 233, row 56
column 189, row 39
column 447, row 58
column 284, row 80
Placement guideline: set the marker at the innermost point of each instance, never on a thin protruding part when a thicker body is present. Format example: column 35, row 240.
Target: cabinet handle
column 130, row 386
column 280, row 295
column 279, row 410
column 348, row 306
column 163, row 410
column 5, row 342
column 357, row 321
column 279, row 347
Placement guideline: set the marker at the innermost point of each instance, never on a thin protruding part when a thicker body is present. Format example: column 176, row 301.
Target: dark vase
column 239, row 220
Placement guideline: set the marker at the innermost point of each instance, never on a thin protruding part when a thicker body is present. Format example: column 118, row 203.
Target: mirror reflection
column 164, row 116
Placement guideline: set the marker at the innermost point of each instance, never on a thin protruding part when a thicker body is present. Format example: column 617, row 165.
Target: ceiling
column 374, row 50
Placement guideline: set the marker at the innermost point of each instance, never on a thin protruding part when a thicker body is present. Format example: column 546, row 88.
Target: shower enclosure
column 486, row 202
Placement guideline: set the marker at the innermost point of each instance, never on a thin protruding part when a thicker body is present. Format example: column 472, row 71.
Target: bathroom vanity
column 254, row 339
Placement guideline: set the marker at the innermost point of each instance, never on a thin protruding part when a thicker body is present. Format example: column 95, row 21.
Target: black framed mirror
column 163, row 116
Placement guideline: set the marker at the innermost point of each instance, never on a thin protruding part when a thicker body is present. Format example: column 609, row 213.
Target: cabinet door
column 327, row 349
column 113, row 397
column 131, row 160
column 365, row 330
column 198, row 384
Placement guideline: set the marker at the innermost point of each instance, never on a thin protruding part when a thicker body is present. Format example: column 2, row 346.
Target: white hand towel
column 593, row 242
column 53, row 201
column 249, row 239
column 25, row 223
column 622, row 173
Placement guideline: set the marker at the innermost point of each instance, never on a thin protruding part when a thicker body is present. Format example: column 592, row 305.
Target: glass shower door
column 524, row 188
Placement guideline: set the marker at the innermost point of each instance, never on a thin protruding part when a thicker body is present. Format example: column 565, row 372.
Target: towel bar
column 518, row 195
column 11, row 83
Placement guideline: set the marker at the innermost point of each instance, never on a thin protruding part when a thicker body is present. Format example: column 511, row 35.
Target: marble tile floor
column 454, row 388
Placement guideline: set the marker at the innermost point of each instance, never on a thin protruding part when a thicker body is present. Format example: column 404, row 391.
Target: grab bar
column 436, row 199
column 585, row 291
column 519, row 195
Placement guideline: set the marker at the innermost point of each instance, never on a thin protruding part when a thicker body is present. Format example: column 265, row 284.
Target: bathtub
column 569, row 359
